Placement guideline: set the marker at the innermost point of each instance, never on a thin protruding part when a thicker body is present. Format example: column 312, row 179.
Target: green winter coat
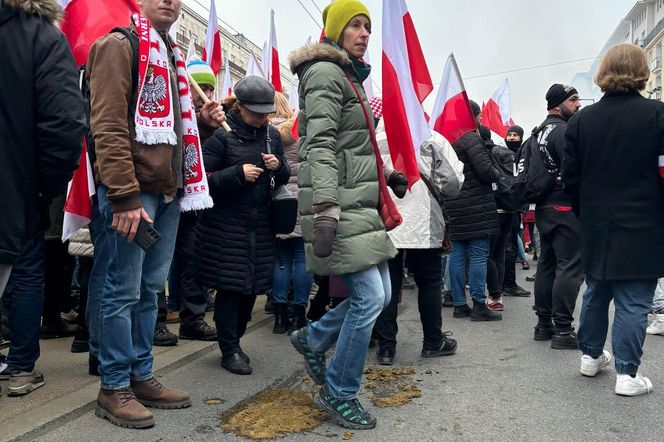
column 337, row 163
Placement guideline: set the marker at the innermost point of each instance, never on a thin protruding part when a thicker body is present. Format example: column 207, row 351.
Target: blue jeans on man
column 128, row 307
column 27, row 287
column 349, row 326
column 97, row 276
column 478, row 252
column 632, row 300
column 290, row 267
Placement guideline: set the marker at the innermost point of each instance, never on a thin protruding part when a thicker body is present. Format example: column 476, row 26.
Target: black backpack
column 505, row 169
column 536, row 169
column 133, row 40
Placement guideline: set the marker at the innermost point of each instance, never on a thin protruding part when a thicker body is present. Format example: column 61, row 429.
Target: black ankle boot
column 297, row 318
column 280, row 318
column 482, row 313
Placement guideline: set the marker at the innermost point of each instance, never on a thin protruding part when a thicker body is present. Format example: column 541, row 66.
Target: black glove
column 325, row 230
column 399, row 183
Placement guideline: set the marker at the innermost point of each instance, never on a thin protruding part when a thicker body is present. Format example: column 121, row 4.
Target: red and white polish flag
column 81, row 188
column 294, row 97
column 272, row 66
column 497, row 112
column 212, row 50
column 253, row 67
column 406, row 83
column 452, row 116
column 227, row 88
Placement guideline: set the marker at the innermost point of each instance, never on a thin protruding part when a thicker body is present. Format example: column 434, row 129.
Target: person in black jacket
column 610, row 172
column 473, row 221
column 559, row 270
column 40, row 145
column 235, row 241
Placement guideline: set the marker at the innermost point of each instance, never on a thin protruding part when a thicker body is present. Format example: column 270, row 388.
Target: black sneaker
column 448, row 347
column 314, row 362
column 163, row 337
column 531, row 278
column 482, row 313
column 93, row 366
column 244, row 356
column 235, row 364
column 515, row 291
column 269, row 305
column 385, row 355
column 198, row 331
column 347, row 413
column 543, row 332
column 564, row 340
column 81, row 343
column 461, row 311
column 447, row 300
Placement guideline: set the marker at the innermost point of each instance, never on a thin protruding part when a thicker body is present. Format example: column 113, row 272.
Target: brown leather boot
column 152, row 394
column 121, row 408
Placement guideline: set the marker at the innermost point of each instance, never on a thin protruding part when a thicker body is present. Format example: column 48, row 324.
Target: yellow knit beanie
column 337, row 15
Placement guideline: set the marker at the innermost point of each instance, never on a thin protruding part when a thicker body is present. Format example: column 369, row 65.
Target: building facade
column 235, row 47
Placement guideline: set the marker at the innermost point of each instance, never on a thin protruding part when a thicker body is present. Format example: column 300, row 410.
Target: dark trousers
column 495, row 270
column 58, row 274
column 232, row 313
column 425, row 264
column 559, row 270
column 26, row 284
column 83, row 277
column 511, row 252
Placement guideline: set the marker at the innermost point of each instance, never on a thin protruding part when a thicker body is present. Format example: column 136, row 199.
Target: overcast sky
column 486, row 36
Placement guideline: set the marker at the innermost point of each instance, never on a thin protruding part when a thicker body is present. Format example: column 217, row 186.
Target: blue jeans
column 129, row 297
column 521, row 249
column 27, row 286
column 97, row 276
column 349, row 325
column 478, row 250
column 289, row 266
column 632, row 300
column 447, row 285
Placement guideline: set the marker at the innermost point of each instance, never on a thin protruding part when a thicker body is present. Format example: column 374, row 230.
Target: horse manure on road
column 274, row 414
column 389, row 387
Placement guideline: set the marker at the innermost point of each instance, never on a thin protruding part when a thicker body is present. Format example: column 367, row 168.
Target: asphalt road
column 500, row 386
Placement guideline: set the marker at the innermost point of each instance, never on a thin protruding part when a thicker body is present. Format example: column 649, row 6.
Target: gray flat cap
column 256, row 94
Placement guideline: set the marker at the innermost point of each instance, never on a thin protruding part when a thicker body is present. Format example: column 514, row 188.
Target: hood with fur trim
column 317, row 52
column 47, row 9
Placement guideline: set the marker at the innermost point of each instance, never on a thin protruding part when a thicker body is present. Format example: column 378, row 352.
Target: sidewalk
column 69, row 391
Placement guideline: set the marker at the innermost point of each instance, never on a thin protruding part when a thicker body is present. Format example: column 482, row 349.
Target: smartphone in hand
column 146, row 235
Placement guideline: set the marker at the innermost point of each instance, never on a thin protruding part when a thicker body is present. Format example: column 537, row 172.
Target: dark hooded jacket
column 235, row 243
column 41, row 118
column 473, row 213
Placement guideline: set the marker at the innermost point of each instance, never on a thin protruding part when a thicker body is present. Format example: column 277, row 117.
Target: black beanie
column 557, row 94
column 517, row 130
column 485, row 133
column 475, row 108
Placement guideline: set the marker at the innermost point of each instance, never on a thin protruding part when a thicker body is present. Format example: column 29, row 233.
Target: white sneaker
column 590, row 366
column 632, row 386
column 657, row 326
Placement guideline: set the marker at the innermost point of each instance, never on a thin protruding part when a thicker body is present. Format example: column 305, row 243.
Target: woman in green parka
column 338, row 200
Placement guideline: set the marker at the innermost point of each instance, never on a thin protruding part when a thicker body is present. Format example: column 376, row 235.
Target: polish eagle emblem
column 190, row 161
column 153, row 92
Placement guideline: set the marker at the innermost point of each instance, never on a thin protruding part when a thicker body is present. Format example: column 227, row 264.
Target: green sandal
column 313, row 361
column 347, row 413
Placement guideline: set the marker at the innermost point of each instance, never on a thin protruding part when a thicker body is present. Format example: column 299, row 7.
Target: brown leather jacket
column 123, row 165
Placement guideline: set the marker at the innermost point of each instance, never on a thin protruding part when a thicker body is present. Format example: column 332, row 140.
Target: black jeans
column 559, row 269
column 512, row 252
column 232, row 313
column 193, row 299
column 83, row 277
column 495, row 270
column 425, row 264
column 58, row 273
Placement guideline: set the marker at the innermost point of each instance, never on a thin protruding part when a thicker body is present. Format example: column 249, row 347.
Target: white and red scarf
column 154, row 111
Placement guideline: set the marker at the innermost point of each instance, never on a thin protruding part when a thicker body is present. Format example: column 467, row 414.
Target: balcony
column 656, row 65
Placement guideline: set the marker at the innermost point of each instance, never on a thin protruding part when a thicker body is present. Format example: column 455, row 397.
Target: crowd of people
column 183, row 218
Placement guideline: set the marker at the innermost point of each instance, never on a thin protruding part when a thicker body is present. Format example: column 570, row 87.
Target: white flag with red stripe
column 212, row 50
column 368, row 85
column 406, row 83
column 227, row 88
column 497, row 112
column 294, row 97
column 272, row 66
column 452, row 116
column 253, row 67
column 191, row 50
column 78, row 207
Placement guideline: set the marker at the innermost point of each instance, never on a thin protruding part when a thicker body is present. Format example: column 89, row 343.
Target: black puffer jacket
column 41, row 119
column 473, row 212
column 234, row 240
